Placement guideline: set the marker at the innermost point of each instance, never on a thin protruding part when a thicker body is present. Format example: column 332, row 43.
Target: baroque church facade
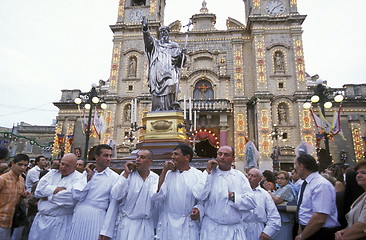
column 247, row 83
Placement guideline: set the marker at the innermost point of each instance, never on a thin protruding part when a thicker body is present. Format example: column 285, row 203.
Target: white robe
column 177, row 199
column 264, row 218
column 136, row 210
column 32, row 177
column 94, row 206
column 223, row 217
column 54, row 214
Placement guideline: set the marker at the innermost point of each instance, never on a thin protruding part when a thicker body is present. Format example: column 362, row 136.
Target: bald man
column 56, row 205
column 264, row 221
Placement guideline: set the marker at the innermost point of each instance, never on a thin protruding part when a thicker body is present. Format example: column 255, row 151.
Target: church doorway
column 206, row 143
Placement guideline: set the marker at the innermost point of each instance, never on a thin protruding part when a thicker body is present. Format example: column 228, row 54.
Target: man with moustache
column 228, row 198
column 56, row 204
column 178, row 201
column 95, row 202
column 264, row 221
column 133, row 191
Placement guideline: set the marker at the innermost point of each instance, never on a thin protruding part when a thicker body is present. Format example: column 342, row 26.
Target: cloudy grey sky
column 48, row 45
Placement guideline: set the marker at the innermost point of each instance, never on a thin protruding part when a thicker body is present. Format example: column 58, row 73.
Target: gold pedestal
column 164, row 131
column 163, row 126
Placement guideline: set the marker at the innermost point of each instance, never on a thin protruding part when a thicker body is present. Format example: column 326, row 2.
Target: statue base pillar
column 164, row 131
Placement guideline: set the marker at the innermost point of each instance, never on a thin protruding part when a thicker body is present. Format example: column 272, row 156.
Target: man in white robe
column 33, row 173
column 134, row 190
column 180, row 212
column 264, row 221
column 95, row 202
column 56, row 205
column 227, row 197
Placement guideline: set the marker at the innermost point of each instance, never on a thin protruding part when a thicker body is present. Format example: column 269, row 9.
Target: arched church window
column 132, row 66
column 127, row 113
column 203, row 90
column 282, row 111
column 138, row 2
column 279, row 62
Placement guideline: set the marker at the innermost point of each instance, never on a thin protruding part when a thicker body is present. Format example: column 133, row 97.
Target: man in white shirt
column 33, row 173
column 56, row 205
column 317, row 210
column 228, row 198
column 133, row 191
column 264, row 221
column 95, row 202
column 179, row 207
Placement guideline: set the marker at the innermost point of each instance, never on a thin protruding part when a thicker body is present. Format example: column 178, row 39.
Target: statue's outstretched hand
column 144, row 23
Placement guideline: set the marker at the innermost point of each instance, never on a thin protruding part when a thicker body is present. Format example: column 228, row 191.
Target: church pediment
column 128, row 51
column 233, row 23
column 202, row 53
column 175, row 26
column 273, row 45
column 203, row 72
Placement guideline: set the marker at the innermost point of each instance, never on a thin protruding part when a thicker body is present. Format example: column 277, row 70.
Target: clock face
column 136, row 15
column 274, row 7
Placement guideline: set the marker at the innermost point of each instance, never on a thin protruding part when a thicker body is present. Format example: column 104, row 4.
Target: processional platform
column 162, row 131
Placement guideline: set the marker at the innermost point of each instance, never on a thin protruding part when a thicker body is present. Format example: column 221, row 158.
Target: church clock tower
column 128, row 77
column 278, row 75
column 131, row 11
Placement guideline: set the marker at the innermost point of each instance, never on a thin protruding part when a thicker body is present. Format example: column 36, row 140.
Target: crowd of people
column 68, row 199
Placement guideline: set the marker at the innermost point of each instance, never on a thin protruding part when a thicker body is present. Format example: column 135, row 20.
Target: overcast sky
column 48, row 45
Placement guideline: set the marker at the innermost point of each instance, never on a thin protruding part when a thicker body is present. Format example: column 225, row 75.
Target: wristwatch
column 232, row 197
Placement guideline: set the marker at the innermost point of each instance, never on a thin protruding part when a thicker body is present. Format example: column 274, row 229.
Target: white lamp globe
column 338, row 98
column 77, row 100
column 95, row 100
column 315, row 99
column 307, row 105
column 328, row 104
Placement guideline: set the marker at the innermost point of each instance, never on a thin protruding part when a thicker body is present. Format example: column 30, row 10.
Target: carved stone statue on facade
column 132, row 68
column 165, row 60
column 282, row 115
column 279, row 63
column 127, row 113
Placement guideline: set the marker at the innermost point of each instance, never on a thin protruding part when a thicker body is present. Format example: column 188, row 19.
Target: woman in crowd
column 284, row 194
column 356, row 217
column 268, row 182
column 335, row 171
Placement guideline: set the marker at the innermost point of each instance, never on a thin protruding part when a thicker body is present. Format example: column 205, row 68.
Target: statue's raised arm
column 144, row 23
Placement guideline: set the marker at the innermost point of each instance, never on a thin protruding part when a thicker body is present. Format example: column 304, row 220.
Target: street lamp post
column 276, row 152
column 321, row 92
column 322, row 98
column 91, row 99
